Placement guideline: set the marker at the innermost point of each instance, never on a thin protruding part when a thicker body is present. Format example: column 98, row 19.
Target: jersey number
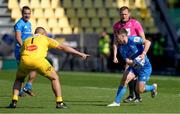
column 32, row 47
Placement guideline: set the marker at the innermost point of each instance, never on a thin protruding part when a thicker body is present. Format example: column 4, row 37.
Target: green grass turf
column 89, row 93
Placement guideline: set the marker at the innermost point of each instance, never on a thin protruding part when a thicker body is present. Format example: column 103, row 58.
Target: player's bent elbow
column 148, row 42
column 59, row 47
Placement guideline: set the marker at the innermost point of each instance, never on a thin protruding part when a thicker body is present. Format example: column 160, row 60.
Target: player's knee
column 140, row 90
column 124, row 83
column 53, row 77
column 32, row 75
column 20, row 79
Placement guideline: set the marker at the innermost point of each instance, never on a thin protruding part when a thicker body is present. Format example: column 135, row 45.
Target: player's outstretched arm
column 73, row 51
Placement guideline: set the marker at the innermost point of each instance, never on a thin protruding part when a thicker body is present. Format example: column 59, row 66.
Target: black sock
column 131, row 88
column 137, row 95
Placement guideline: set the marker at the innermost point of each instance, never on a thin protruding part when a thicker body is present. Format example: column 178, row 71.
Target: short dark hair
column 123, row 8
column 25, row 8
column 122, row 31
column 40, row 30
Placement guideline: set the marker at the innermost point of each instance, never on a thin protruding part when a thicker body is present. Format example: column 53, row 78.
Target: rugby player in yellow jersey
column 33, row 53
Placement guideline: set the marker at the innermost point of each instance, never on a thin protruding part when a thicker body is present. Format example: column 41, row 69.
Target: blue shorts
column 143, row 74
column 17, row 54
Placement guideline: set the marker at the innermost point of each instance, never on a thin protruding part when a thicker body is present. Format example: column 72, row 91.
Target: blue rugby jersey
column 133, row 49
column 24, row 28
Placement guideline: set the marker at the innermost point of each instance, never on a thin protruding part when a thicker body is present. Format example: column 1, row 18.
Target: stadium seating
column 81, row 12
column 113, row 12
column 140, row 4
column 88, row 4
column 59, row 12
column 34, row 4
column 121, row 3
column 70, row 12
column 101, row 12
column 77, row 4
column 42, row 22
column 67, row 30
column 24, row 3
column 33, row 23
column 45, row 4
column 74, row 22
column 85, row 22
column 105, row 22
column 56, row 30
column 38, row 13
column 63, row 22
column 75, row 16
column 98, row 4
column 67, row 3
column 109, row 4
column 13, row 4
column 99, row 30
column 91, row 12
column 52, row 22
column 55, row 3
column 49, row 13
column 95, row 22
column 88, row 30
column 16, row 13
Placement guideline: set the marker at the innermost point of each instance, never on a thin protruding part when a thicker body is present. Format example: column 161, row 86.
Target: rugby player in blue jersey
column 22, row 31
column 133, row 50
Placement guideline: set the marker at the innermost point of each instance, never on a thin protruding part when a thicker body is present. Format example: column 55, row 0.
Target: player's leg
column 131, row 96
column 28, row 86
column 16, row 87
column 17, row 56
column 127, row 76
column 142, row 87
column 137, row 95
column 48, row 71
column 56, row 87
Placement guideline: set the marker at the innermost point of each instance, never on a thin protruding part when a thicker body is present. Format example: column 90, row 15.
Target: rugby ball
column 139, row 62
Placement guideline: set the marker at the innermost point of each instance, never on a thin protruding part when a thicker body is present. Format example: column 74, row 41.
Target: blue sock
column 28, row 86
column 21, row 91
column 120, row 93
column 149, row 88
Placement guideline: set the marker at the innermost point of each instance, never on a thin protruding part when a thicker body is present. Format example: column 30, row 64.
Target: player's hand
column 115, row 60
column 129, row 62
column 142, row 56
column 84, row 56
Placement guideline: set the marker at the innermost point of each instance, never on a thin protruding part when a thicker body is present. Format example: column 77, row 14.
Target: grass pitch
column 89, row 93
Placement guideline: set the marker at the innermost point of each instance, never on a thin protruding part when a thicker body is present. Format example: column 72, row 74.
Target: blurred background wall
column 80, row 24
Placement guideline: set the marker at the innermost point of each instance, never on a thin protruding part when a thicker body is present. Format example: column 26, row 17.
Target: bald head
column 40, row 30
